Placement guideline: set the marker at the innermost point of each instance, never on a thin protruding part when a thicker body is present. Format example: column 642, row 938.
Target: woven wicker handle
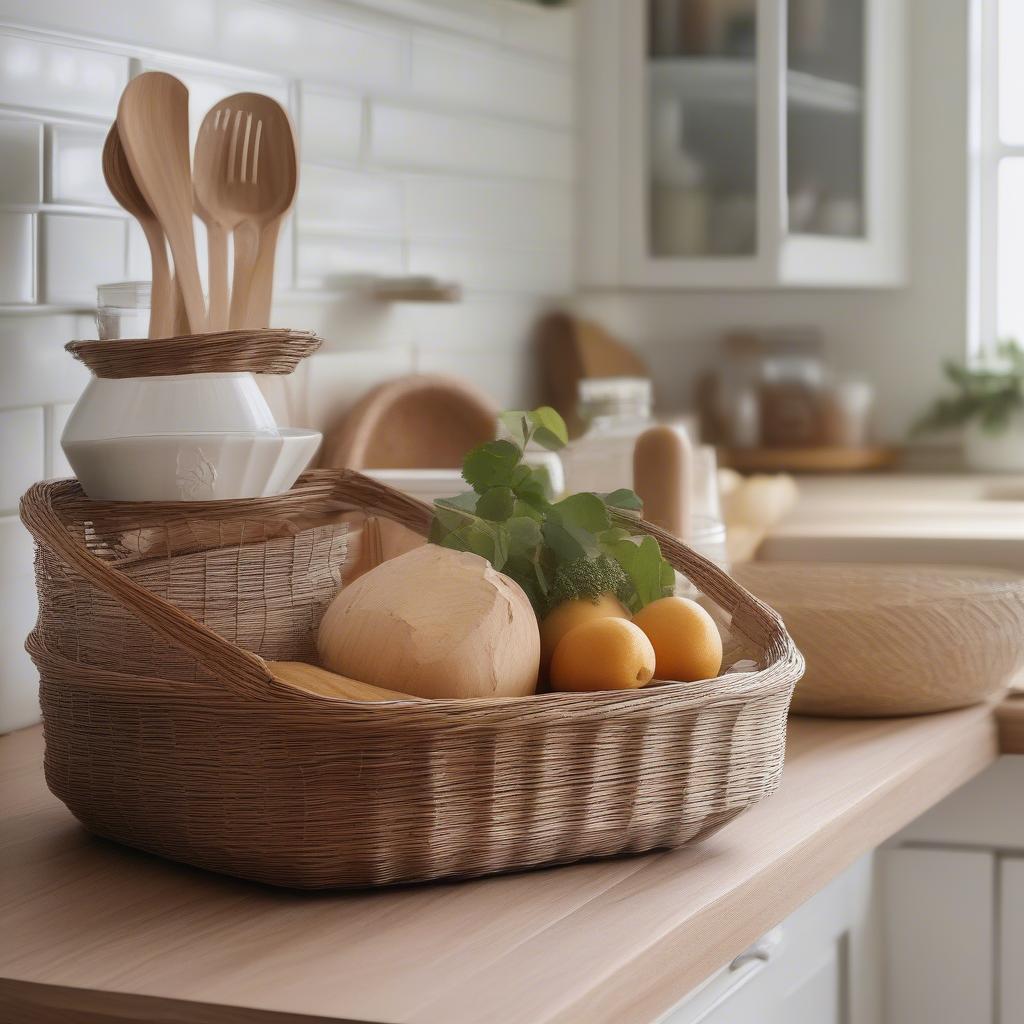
column 244, row 672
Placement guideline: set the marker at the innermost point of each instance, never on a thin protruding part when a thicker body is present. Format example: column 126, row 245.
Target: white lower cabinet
column 1011, row 940
column 939, row 935
column 822, row 965
column 953, row 902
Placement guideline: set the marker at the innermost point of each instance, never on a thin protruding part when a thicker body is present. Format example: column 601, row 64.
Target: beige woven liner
column 263, row 351
column 164, row 734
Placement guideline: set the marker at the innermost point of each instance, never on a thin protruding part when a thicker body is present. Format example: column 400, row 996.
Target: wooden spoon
column 124, row 189
column 256, row 190
column 152, row 122
column 209, row 170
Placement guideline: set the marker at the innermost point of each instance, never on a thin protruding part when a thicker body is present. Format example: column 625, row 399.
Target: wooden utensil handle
column 261, row 289
column 161, row 302
column 217, row 256
column 247, row 241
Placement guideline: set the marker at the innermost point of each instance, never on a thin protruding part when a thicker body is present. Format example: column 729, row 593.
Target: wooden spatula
column 152, row 123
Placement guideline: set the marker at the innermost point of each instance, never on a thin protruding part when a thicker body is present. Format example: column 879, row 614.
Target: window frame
column 986, row 151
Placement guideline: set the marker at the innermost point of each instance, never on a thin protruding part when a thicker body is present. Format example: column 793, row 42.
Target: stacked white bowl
column 189, row 437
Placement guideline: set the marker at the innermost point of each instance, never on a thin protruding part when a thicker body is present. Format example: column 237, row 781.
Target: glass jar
column 617, row 411
column 122, row 310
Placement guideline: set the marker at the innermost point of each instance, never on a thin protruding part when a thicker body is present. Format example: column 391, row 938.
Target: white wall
column 436, row 138
column 896, row 337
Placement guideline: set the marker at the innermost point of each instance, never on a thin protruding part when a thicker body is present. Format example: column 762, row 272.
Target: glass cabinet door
column 825, row 80
column 701, row 167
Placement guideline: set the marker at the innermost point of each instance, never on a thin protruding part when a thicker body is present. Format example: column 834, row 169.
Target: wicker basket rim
column 567, row 709
column 269, row 350
column 46, row 505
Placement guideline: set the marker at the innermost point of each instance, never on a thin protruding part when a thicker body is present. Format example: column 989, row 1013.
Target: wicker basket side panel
column 187, row 772
column 267, row 597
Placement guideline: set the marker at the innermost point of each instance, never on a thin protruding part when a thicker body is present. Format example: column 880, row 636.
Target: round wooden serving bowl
column 885, row 640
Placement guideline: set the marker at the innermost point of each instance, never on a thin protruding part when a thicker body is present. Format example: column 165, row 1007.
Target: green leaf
column 549, row 430
column 529, row 485
column 584, row 511
column 464, row 502
column 491, row 465
column 623, row 498
column 496, row 504
column 518, row 426
column 565, row 543
column 644, row 565
column 524, row 508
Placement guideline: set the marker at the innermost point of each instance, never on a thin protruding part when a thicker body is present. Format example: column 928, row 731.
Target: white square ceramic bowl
column 191, row 467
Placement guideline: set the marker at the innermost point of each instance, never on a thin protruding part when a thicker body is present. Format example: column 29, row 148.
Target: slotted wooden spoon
column 152, row 123
column 255, row 189
column 124, row 189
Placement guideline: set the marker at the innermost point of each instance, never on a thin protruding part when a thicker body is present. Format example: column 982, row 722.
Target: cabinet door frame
column 798, row 260
column 639, row 267
column 879, row 257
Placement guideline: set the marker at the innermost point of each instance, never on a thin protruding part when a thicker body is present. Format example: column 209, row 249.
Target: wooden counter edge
column 27, row 1002
column 1010, row 718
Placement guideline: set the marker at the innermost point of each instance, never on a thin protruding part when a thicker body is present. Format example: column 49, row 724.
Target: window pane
column 1010, row 260
column 1011, row 71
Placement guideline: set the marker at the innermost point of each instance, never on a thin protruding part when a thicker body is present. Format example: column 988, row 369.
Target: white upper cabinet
column 742, row 143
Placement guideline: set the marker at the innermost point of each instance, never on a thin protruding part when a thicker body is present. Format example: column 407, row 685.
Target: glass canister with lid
column 617, row 411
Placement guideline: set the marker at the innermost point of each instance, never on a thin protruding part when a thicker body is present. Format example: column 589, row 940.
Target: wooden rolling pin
column 663, row 478
column 314, row 679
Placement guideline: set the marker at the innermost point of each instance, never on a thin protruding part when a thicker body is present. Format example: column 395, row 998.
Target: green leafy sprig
column 990, row 393
column 553, row 549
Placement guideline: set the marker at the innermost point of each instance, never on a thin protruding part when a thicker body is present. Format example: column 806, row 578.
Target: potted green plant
column 989, row 404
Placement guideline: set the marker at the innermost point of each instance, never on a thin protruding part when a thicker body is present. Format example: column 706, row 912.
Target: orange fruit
column 603, row 654
column 570, row 614
column 685, row 639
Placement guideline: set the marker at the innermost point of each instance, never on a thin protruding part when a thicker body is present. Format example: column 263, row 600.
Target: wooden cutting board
column 571, row 349
column 412, row 422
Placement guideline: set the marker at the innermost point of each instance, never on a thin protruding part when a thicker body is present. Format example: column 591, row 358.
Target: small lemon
column 603, row 654
column 570, row 614
column 685, row 639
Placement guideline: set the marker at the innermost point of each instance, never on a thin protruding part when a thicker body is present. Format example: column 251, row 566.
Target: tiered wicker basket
column 165, row 730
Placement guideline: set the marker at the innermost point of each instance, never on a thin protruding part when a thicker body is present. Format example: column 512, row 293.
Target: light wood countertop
column 91, row 926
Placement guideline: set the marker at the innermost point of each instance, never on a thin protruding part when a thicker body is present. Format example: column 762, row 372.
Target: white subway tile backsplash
column 48, row 76
column 36, row 369
column 478, row 76
column 311, row 44
column 23, row 443
column 420, row 138
column 80, row 253
column 204, row 90
column 19, row 681
column 506, row 376
column 549, row 32
column 331, row 127
column 533, row 271
column 349, row 201
column 17, row 258
column 333, row 382
column 515, row 211
column 325, row 262
column 58, row 465
column 76, row 167
column 21, row 157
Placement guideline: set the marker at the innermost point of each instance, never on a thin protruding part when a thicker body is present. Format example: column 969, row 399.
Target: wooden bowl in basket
column 165, row 729
column 895, row 640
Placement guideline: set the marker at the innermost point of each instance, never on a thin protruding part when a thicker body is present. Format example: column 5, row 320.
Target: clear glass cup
column 122, row 310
